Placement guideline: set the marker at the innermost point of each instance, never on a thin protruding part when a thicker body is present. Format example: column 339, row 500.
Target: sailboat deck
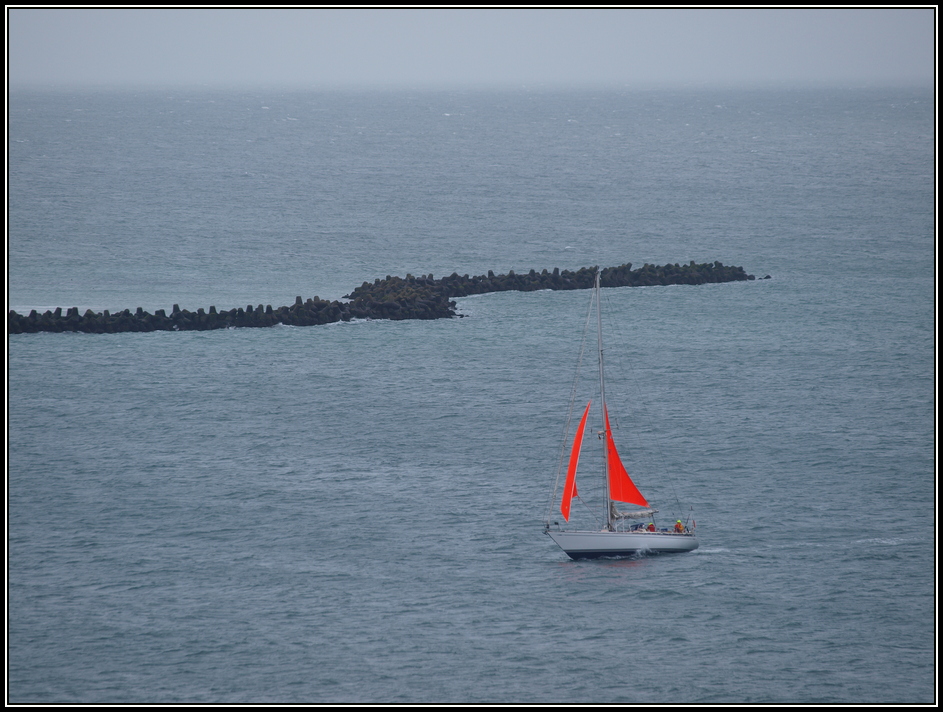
column 595, row 544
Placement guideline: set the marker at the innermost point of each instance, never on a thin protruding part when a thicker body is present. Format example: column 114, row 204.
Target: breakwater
column 391, row 298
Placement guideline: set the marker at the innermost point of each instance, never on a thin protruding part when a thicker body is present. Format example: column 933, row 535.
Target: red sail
column 569, row 488
column 621, row 486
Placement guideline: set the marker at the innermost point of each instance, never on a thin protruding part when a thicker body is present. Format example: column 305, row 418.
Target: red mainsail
column 621, row 486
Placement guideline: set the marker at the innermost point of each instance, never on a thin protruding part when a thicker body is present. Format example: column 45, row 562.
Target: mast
column 602, row 397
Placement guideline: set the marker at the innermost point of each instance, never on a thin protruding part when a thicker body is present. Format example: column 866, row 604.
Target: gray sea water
column 353, row 512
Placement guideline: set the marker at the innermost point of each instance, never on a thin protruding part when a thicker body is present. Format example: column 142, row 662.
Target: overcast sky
column 483, row 47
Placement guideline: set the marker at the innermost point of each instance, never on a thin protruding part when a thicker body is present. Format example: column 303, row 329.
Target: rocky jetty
column 391, row 298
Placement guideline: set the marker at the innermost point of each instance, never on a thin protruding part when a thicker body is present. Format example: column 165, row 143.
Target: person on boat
column 651, row 526
column 679, row 527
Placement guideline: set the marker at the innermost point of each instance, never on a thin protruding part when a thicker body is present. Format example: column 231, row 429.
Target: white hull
column 593, row 545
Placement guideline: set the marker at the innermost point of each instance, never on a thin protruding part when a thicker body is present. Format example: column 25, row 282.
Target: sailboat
column 617, row 536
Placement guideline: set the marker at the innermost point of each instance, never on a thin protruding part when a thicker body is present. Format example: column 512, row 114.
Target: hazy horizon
column 469, row 48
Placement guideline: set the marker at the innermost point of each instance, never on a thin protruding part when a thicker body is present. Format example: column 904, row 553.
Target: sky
column 416, row 48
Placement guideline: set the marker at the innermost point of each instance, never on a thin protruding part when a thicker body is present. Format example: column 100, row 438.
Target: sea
column 354, row 513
